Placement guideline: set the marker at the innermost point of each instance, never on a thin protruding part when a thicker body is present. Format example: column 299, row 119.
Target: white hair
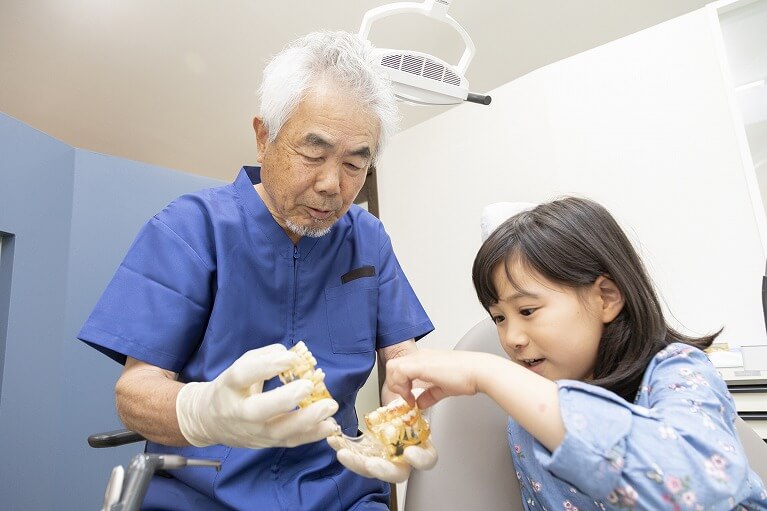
column 344, row 58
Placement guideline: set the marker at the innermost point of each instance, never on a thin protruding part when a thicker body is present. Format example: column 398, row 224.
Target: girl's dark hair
column 572, row 241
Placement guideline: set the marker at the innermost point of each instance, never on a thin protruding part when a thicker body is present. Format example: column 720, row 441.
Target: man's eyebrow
column 364, row 152
column 315, row 140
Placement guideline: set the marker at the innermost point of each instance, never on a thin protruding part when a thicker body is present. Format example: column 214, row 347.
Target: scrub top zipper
column 296, row 257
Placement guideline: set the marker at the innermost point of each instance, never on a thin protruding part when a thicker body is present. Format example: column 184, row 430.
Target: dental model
column 397, row 426
column 306, row 368
column 391, row 429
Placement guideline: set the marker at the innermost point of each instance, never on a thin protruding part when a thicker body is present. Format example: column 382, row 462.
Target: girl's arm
column 530, row 399
column 681, row 449
column 676, row 448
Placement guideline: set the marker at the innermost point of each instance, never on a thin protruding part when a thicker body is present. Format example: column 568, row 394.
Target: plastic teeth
column 306, row 368
column 391, row 428
column 397, row 426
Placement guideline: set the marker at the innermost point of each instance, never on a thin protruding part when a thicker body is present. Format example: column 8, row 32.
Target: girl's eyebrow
column 521, row 293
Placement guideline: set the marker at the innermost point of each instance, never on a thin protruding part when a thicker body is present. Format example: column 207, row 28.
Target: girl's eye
column 526, row 312
column 498, row 319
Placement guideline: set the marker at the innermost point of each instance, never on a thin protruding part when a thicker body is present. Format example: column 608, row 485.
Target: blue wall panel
column 36, row 183
column 73, row 214
column 112, row 200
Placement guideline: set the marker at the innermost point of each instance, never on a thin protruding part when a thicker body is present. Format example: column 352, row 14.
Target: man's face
column 313, row 170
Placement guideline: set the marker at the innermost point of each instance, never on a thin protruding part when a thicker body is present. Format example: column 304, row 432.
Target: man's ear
column 611, row 298
column 262, row 135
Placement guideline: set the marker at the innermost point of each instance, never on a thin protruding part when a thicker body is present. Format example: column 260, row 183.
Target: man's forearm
column 146, row 403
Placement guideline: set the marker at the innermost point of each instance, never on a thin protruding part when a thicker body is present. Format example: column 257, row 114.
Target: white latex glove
column 233, row 410
column 421, row 457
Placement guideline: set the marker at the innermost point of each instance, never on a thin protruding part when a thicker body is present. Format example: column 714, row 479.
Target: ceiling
column 173, row 82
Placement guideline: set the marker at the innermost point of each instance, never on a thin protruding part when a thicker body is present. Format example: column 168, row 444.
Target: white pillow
column 495, row 214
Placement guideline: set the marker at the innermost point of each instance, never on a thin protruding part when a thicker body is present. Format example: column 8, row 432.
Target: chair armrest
column 114, row 438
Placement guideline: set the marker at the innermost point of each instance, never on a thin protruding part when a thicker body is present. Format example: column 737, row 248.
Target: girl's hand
column 445, row 373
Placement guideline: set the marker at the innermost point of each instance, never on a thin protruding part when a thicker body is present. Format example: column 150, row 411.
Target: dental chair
column 475, row 470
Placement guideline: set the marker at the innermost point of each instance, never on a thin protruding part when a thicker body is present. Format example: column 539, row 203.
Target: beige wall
column 642, row 124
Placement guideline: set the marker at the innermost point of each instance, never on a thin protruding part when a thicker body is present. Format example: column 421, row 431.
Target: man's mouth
column 319, row 214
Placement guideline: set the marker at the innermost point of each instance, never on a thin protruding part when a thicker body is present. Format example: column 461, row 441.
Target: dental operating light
column 420, row 78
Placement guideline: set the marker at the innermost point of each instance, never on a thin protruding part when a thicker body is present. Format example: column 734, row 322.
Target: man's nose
column 328, row 180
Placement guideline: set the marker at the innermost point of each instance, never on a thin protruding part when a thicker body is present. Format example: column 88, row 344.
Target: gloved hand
column 421, row 457
column 233, row 410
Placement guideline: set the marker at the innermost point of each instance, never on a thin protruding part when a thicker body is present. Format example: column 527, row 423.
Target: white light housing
column 420, row 78
column 423, row 79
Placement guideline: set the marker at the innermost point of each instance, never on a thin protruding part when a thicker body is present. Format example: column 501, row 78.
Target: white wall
column 641, row 124
column 757, row 139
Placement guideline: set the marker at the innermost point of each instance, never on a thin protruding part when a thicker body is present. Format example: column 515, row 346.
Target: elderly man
column 219, row 284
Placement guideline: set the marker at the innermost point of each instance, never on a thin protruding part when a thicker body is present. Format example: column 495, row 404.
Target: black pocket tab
column 362, row 271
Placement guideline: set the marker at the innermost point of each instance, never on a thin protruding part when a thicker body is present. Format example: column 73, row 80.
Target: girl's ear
column 611, row 298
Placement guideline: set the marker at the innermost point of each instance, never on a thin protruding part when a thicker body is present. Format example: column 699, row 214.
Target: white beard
column 303, row 230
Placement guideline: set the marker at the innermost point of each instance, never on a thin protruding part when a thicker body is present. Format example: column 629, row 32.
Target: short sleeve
column 400, row 315
column 156, row 306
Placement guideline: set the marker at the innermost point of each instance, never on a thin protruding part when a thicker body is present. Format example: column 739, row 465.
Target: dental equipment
column 420, row 78
column 126, row 489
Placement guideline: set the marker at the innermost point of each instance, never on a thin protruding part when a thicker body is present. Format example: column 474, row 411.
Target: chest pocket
column 352, row 310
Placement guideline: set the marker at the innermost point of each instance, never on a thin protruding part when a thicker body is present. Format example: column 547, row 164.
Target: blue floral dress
column 675, row 448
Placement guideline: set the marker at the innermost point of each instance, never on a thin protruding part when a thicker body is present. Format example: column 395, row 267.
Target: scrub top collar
column 246, row 179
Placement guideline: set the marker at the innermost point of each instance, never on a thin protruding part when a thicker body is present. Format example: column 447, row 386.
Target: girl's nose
column 515, row 338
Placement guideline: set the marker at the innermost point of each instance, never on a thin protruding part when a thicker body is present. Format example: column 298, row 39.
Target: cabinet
column 749, row 390
column 744, row 35
column 743, row 27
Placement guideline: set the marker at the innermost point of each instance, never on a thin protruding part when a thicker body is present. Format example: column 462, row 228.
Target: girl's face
column 551, row 329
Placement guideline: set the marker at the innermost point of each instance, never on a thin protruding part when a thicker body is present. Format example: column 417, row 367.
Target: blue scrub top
column 212, row 276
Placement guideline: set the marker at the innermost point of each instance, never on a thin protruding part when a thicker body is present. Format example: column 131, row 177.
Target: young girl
column 610, row 407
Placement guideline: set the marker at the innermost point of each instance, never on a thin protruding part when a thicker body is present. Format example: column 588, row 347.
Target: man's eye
column 498, row 319
column 353, row 167
column 312, row 160
column 526, row 312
